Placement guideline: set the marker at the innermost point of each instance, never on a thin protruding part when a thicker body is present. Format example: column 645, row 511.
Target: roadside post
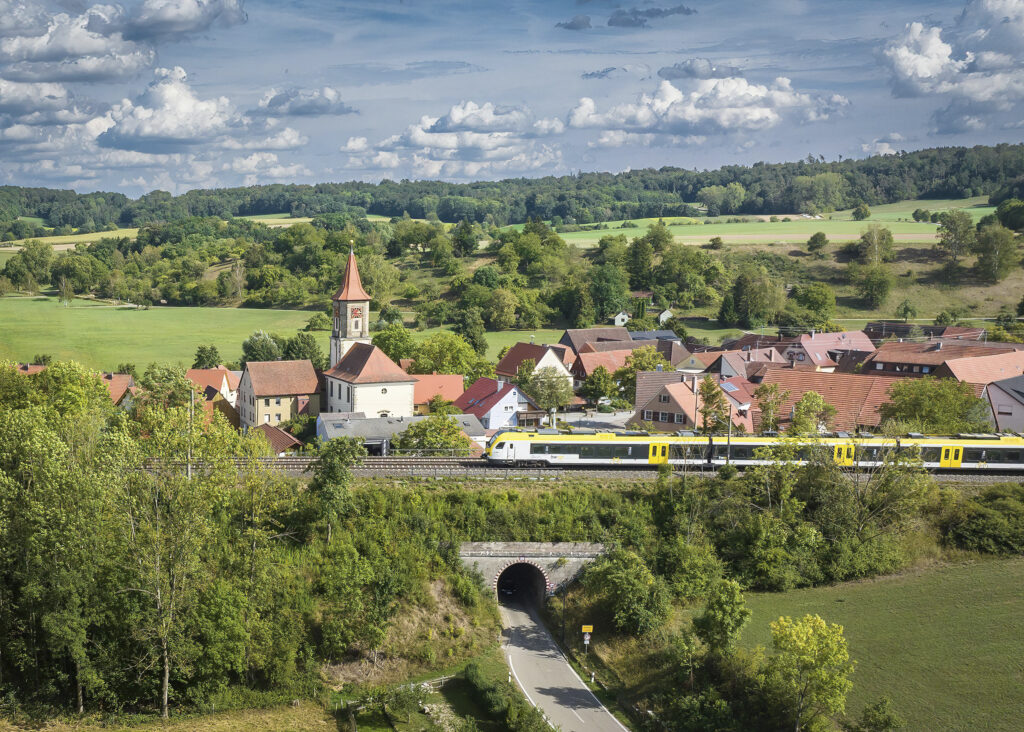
column 587, row 630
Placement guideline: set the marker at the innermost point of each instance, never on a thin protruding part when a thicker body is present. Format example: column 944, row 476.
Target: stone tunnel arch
column 558, row 563
column 527, row 580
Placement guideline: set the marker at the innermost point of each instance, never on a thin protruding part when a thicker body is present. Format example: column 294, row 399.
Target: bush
column 992, row 523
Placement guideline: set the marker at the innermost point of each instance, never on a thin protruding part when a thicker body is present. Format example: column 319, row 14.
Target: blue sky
column 180, row 94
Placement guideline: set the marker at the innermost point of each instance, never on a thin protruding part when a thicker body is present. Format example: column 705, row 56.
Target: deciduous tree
column 809, row 669
column 724, row 616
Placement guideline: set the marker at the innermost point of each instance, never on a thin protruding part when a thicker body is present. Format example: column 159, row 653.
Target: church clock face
column 357, row 312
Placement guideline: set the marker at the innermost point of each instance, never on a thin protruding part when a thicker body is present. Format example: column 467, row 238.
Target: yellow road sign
column 588, row 628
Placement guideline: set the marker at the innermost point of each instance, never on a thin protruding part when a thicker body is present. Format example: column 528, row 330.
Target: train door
column 843, row 455
column 951, row 457
column 659, row 453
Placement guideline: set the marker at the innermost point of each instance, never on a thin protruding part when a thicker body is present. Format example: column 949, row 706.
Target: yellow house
column 272, row 392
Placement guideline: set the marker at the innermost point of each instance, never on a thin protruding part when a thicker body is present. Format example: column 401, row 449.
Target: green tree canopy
column 438, row 433
column 642, row 359
column 935, row 406
column 395, row 340
column 725, row 613
column 636, row 598
column 549, row 388
column 809, row 669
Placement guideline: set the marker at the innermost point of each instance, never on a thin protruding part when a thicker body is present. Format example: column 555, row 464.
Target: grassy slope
column 946, row 644
column 103, row 336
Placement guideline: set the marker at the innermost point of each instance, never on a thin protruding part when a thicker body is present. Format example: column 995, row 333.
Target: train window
column 945, row 454
column 977, row 456
column 499, row 446
column 956, row 454
column 930, row 454
column 849, row 453
column 664, row 450
column 538, row 449
column 741, row 453
column 1012, row 456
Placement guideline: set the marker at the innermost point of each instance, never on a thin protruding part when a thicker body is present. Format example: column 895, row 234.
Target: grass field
column 103, row 336
column 69, row 241
column 278, row 220
column 946, row 644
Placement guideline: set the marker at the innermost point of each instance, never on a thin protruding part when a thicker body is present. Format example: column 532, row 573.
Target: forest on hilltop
column 811, row 185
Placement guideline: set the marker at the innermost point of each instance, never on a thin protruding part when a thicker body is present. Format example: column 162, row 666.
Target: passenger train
column 591, row 448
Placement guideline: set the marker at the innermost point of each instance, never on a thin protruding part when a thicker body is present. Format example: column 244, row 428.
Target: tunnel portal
column 522, row 583
column 541, row 567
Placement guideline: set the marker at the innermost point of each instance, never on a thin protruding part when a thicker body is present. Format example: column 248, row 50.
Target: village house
column 366, row 380
column 620, row 318
column 823, row 350
column 448, row 387
column 220, row 378
column 576, row 338
column 856, row 397
column 271, row 392
column 588, row 362
column 557, row 357
column 281, row 443
column 672, row 350
column 676, row 405
column 495, row 403
column 1007, row 400
column 923, row 359
column 378, row 433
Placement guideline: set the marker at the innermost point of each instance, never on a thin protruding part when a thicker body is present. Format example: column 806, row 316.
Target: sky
column 181, row 94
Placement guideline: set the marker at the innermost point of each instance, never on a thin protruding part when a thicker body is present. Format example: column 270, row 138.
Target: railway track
column 465, row 467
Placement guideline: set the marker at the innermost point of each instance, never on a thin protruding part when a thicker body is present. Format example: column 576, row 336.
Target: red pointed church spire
column 351, row 289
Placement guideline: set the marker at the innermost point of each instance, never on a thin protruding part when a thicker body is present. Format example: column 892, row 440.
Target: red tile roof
column 279, row 378
column 364, row 363
column 983, row 370
column 481, row 395
column 279, row 440
column 856, row 397
column 850, row 340
column 117, row 385
column 928, row 353
column 448, row 386
column 587, row 362
column 214, row 377
column 27, row 369
column 509, row 365
column 351, row 289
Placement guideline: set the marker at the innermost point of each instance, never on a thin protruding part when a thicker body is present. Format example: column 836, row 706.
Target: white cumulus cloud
column 712, row 106
column 302, row 102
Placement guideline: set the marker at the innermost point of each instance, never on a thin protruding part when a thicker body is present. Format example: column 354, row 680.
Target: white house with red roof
column 220, row 378
column 494, row 403
column 558, row 357
column 366, row 380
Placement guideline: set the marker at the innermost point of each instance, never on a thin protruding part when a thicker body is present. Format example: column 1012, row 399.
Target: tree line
column 811, row 185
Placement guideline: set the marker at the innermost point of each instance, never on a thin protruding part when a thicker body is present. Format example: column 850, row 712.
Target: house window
column 266, row 419
column 266, row 402
column 384, row 390
column 509, row 407
column 916, row 369
column 277, row 401
column 879, row 366
column 680, row 419
column 663, row 398
column 1005, row 409
column 349, row 391
column 663, row 417
column 648, row 415
column 332, row 386
column 926, row 369
column 277, row 417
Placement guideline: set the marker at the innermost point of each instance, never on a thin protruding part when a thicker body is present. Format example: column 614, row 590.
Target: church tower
column 351, row 321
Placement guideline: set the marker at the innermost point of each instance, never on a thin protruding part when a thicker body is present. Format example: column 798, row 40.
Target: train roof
column 863, row 436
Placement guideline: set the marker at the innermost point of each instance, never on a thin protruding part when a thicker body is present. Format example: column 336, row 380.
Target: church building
column 362, row 378
column 351, row 322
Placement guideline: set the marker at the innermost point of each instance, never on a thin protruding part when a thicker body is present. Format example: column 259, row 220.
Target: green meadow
column 945, row 643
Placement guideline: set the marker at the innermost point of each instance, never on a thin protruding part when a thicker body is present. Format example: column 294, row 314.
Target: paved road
column 547, row 679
